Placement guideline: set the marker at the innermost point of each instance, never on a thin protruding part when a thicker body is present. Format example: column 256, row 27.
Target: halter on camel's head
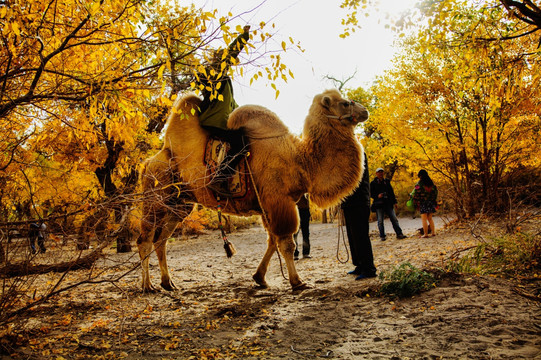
column 348, row 112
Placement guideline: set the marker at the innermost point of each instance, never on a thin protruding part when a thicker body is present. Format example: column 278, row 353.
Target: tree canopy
column 462, row 100
column 86, row 87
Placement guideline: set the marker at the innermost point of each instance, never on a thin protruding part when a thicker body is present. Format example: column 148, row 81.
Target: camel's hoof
column 300, row 287
column 169, row 286
column 150, row 289
column 261, row 283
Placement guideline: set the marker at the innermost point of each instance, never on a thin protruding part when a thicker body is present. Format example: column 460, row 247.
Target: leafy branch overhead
column 85, row 88
column 525, row 12
column 461, row 100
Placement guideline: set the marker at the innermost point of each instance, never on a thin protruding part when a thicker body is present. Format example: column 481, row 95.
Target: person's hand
column 380, row 195
column 246, row 29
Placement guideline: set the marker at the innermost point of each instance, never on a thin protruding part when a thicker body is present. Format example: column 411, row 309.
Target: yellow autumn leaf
column 15, row 28
column 160, row 71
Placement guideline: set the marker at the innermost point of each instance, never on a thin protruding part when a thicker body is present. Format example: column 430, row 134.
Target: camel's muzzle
column 360, row 116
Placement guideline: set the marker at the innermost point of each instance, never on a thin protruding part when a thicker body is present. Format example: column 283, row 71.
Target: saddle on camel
column 326, row 162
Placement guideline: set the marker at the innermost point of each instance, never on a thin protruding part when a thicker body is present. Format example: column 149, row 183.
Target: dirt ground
column 219, row 313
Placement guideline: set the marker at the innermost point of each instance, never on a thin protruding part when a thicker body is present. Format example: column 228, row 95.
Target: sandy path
column 472, row 317
column 217, row 313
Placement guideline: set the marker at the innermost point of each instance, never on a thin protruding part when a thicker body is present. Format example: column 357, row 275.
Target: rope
column 341, row 232
column 229, row 248
column 264, row 214
column 266, row 137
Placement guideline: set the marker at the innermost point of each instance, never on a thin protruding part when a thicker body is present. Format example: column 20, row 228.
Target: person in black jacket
column 384, row 203
column 356, row 210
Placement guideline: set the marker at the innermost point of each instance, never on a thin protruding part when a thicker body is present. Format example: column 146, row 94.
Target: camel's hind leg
column 163, row 208
column 157, row 233
column 155, row 230
column 160, row 244
column 144, row 243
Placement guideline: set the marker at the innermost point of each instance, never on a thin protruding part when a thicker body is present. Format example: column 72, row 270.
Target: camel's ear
column 326, row 102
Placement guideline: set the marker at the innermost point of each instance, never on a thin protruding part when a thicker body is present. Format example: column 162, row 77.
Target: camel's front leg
column 259, row 275
column 286, row 246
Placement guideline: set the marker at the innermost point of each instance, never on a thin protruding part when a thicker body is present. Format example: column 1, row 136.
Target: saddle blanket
column 215, row 152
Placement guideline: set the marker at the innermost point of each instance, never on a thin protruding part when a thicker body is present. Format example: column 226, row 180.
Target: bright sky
column 317, row 26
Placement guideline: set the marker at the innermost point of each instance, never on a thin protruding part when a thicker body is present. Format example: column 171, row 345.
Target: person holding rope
column 356, row 210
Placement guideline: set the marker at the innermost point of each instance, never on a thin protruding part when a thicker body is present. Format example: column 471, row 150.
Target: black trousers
column 41, row 243
column 304, row 214
column 357, row 228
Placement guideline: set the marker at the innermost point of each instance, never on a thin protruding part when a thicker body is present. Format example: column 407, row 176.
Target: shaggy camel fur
column 325, row 162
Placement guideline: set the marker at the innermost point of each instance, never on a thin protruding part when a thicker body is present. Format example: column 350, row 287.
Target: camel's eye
column 346, row 104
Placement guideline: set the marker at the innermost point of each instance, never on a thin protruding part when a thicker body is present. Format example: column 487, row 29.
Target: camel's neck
column 333, row 165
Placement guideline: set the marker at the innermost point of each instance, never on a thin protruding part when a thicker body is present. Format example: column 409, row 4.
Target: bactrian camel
column 326, row 162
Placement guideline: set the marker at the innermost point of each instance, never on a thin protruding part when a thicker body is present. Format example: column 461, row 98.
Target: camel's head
column 339, row 110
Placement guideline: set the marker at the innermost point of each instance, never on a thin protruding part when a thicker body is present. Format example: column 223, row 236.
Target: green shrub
column 509, row 255
column 405, row 281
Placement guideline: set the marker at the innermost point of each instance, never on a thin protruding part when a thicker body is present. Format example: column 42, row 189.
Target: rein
column 264, row 214
column 265, row 137
column 343, row 236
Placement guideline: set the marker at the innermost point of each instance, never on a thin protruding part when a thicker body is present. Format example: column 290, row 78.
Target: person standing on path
column 356, row 210
column 303, row 205
column 384, row 203
column 425, row 198
column 38, row 231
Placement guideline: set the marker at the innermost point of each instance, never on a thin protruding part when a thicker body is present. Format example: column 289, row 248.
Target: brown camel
column 325, row 162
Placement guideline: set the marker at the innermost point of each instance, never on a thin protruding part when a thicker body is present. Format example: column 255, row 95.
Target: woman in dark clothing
column 425, row 199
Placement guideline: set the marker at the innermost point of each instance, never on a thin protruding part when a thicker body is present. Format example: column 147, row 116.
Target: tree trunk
column 26, row 268
column 104, row 175
column 124, row 234
column 324, row 219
